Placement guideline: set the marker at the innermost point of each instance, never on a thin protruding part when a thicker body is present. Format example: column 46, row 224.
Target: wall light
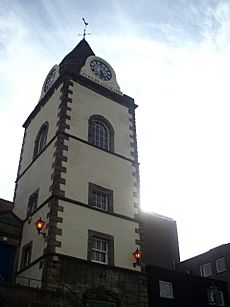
column 39, row 226
column 137, row 256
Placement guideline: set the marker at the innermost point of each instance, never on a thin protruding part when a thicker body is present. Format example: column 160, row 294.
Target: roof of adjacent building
column 5, row 205
column 208, row 254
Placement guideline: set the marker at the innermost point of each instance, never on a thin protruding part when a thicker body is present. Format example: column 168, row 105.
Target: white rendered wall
column 47, row 113
column 37, row 176
column 78, row 220
column 87, row 103
column 89, row 164
column 30, row 234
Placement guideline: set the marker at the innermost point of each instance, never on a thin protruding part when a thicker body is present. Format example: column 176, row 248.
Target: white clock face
column 100, row 70
column 49, row 80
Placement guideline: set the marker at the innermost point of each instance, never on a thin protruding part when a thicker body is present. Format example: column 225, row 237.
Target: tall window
column 32, row 203
column 100, row 197
column 100, row 247
column 40, row 141
column 101, row 133
column 26, row 255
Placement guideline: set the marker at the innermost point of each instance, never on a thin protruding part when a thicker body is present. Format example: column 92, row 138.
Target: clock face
column 100, row 70
column 49, row 80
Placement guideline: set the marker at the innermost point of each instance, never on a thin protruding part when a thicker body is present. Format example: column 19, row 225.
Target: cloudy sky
column 173, row 57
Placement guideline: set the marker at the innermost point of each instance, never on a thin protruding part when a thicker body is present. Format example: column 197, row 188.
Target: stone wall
column 97, row 282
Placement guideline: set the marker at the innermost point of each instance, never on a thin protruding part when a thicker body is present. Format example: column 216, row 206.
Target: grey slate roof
column 5, row 205
column 72, row 62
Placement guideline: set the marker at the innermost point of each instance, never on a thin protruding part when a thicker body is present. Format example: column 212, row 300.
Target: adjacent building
column 170, row 288
column 160, row 241
column 215, row 263
column 10, row 237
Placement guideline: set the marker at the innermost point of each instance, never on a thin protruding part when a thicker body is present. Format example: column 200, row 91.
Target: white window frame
column 166, row 289
column 101, row 135
column 212, row 293
column 99, row 252
column 203, row 268
column 98, row 200
column 222, row 261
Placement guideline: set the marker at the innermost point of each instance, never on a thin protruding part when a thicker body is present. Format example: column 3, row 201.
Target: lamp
column 39, row 226
column 137, row 256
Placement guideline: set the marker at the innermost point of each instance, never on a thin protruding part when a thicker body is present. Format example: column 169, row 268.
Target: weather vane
column 84, row 32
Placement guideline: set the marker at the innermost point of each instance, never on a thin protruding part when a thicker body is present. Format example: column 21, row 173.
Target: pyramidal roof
column 73, row 61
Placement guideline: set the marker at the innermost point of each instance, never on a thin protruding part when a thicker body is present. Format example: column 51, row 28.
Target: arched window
column 40, row 141
column 101, row 133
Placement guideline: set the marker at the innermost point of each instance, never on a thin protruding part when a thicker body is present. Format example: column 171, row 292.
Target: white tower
column 79, row 173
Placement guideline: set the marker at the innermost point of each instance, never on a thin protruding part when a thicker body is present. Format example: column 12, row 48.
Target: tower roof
column 73, row 61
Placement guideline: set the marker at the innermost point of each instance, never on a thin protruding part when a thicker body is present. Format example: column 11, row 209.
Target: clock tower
column 79, row 175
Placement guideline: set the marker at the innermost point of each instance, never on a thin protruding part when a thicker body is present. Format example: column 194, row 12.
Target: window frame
column 26, row 255
column 202, row 266
column 218, row 270
column 110, row 246
column 30, row 210
column 211, row 299
column 102, row 252
column 107, row 192
column 162, row 294
column 101, row 136
column 91, row 134
column 42, row 135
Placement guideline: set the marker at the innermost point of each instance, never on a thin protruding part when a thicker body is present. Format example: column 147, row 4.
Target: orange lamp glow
column 137, row 256
column 39, row 225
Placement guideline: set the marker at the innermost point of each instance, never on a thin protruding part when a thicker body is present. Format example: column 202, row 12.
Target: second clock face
column 49, row 80
column 100, row 70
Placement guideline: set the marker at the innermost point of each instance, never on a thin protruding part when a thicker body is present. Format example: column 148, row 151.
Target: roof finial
column 86, row 24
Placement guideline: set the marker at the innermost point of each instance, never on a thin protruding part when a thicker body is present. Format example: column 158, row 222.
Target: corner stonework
column 51, row 269
column 136, row 178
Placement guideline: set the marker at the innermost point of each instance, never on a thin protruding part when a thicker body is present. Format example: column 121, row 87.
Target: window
column 40, row 141
column 215, row 297
column 100, row 197
column 100, row 200
column 101, row 133
column 166, row 289
column 99, row 251
column 32, row 203
column 220, row 265
column 206, row 270
column 26, row 255
column 100, row 247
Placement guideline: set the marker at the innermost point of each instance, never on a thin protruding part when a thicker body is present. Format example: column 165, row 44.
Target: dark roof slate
column 73, row 62
column 5, row 205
